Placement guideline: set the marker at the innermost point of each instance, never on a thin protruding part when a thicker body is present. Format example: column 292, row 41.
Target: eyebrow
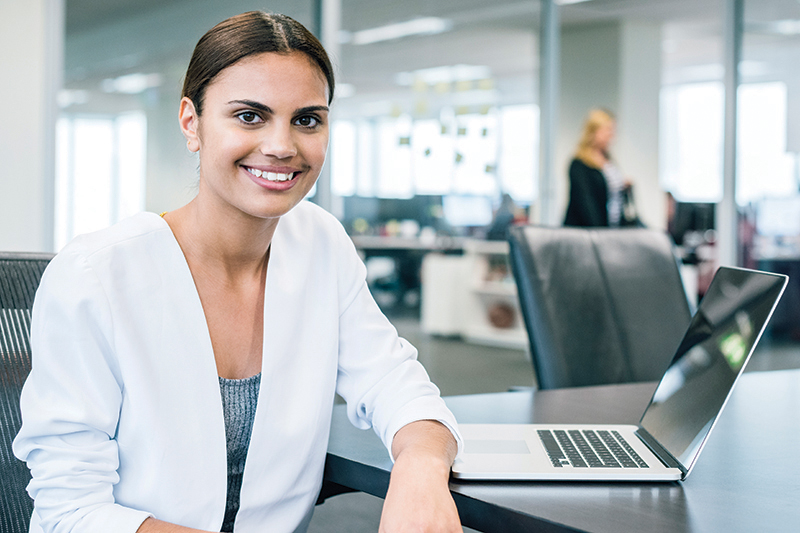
column 266, row 109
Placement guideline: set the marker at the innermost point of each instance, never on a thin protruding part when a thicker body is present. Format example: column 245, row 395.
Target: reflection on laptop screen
column 720, row 339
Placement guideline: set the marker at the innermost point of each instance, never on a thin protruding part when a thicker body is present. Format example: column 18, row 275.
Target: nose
column 278, row 141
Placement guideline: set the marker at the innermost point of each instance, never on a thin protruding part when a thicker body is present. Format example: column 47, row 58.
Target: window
column 474, row 154
column 691, row 141
column 100, row 172
column 764, row 169
column 691, row 137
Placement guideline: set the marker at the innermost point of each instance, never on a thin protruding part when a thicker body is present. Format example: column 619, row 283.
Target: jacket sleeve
column 70, row 405
column 379, row 376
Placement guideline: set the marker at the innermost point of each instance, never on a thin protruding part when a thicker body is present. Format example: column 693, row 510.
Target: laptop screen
column 712, row 355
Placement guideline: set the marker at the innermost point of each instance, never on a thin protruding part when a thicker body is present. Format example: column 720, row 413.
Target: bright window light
column 433, row 153
column 343, row 158
column 518, row 162
column 692, row 120
column 479, row 154
column 691, row 141
column 476, row 155
column 101, row 172
column 131, row 164
column 365, row 152
column 394, row 158
column 764, row 169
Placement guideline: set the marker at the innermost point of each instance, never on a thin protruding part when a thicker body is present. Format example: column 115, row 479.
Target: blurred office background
column 443, row 109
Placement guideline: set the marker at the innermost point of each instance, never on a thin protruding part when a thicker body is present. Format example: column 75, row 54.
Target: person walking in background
column 597, row 190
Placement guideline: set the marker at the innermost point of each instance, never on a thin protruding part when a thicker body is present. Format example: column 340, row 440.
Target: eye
column 249, row 117
column 307, row 121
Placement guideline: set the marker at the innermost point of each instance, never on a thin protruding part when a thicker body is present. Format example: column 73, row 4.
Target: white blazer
column 122, row 414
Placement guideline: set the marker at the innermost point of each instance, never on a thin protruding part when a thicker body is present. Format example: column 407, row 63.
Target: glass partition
column 768, row 182
column 436, row 99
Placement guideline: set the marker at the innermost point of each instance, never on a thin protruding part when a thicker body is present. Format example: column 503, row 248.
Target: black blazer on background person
column 588, row 196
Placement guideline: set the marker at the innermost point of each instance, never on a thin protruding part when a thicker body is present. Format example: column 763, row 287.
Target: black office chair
column 19, row 278
column 600, row 305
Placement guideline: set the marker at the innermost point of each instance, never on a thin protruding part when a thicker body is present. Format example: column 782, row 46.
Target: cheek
column 225, row 148
column 315, row 149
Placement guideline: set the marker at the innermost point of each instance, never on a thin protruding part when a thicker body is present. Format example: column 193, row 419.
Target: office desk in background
column 747, row 478
column 407, row 254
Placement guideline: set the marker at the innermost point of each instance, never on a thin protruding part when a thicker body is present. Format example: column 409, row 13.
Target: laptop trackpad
column 495, row 446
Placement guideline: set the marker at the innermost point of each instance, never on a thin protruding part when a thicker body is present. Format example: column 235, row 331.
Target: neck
column 227, row 241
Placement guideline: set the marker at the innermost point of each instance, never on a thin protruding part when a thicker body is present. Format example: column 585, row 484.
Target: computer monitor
column 425, row 209
column 467, row 211
column 691, row 216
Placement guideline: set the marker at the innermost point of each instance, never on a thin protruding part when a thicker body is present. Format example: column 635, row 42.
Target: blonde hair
column 586, row 151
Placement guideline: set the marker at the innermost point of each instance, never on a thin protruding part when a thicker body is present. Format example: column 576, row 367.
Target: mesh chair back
column 19, row 278
column 601, row 306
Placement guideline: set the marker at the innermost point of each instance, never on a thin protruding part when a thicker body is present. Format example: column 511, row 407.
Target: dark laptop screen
column 712, row 355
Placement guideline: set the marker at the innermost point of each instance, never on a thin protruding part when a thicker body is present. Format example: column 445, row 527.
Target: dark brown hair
column 244, row 35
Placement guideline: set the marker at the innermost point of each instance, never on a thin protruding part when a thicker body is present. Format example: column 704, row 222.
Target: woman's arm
column 419, row 498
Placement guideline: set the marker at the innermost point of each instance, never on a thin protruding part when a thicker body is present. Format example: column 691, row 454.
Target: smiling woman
column 185, row 365
column 253, row 129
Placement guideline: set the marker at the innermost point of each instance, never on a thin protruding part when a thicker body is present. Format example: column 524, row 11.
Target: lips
column 271, row 176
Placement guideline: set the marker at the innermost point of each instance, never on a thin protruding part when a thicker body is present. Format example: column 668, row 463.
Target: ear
column 189, row 122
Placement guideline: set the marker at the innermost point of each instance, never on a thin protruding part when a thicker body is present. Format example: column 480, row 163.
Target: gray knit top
column 239, row 400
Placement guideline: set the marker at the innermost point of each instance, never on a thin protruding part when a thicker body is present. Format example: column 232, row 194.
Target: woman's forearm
column 427, row 437
column 419, row 498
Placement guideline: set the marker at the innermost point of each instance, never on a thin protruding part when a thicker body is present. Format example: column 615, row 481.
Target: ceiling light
column 786, row 27
column 68, row 97
column 131, row 83
column 448, row 74
column 419, row 26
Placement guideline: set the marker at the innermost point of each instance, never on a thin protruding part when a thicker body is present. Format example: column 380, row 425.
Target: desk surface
column 761, row 494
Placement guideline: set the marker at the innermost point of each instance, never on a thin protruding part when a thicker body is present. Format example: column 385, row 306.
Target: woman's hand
column 419, row 499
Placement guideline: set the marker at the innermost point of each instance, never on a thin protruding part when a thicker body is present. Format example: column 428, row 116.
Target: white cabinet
column 491, row 306
column 473, row 295
column 443, row 277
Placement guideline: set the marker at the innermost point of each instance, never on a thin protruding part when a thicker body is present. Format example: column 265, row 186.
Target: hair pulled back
column 244, row 35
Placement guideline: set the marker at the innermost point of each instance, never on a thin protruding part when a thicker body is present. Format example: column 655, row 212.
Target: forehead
column 270, row 74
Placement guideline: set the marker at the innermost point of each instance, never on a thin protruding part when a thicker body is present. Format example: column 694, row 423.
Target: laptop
column 676, row 424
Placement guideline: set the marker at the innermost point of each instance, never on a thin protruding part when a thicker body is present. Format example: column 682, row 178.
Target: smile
column 271, row 176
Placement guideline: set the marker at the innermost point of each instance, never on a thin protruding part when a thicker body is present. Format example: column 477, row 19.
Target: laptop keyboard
column 589, row 449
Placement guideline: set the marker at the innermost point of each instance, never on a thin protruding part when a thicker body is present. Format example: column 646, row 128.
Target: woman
column 596, row 187
column 185, row 365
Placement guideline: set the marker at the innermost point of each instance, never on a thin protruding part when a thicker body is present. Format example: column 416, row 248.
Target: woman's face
column 604, row 135
column 263, row 133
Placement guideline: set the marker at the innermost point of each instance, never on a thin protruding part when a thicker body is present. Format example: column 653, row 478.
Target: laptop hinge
column 659, row 451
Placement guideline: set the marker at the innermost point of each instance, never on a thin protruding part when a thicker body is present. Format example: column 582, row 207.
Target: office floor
column 462, row 368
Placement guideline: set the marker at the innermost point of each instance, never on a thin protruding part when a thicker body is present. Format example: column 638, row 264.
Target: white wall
column 638, row 116
column 32, row 31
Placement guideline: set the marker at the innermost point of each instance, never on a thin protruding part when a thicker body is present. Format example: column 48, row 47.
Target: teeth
column 270, row 176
